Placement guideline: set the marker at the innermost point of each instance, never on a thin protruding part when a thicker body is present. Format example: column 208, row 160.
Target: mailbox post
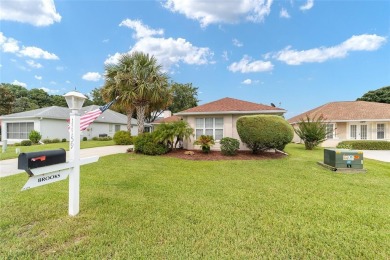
column 75, row 101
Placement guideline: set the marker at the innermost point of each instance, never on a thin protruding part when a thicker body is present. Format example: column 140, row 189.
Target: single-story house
column 350, row 120
column 218, row 119
column 51, row 122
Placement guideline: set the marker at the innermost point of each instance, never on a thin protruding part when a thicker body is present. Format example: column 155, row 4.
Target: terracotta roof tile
column 228, row 105
column 348, row 111
column 167, row 120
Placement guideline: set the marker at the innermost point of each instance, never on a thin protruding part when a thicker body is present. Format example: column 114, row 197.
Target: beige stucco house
column 218, row 119
column 350, row 120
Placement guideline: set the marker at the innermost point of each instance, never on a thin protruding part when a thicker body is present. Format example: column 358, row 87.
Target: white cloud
column 37, row 12
column 284, row 14
column 141, row 30
column 50, row 91
column 12, row 46
column 168, row 51
column 37, row 53
column 225, row 55
column 247, row 82
column 67, row 82
column 246, row 65
column 309, row 4
column 92, row 76
column 106, row 40
column 221, row 11
column 34, row 64
column 38, row 77
column 237, row 43
column 16, row 82
column 364, row 42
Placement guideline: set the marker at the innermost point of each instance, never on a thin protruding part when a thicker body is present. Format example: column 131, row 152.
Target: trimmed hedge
column 123, row 138
column 145, row 143
column 26, row 143
column 365, row 145
column 262, row 132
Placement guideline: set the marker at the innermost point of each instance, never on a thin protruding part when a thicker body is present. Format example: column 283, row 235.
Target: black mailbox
column 27, row 161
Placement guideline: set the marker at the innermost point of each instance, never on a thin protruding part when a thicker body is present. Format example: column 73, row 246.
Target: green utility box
column 343, row 158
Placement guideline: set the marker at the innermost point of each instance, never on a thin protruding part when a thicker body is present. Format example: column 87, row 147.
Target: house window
column 209, row 126
column 329, row 131
column 19, row 130
column 353, row 131
column 380, row 131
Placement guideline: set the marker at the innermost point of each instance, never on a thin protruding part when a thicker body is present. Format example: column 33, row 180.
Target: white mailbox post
column 75, row 102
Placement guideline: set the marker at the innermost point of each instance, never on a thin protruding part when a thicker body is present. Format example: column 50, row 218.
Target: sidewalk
column 10, row 167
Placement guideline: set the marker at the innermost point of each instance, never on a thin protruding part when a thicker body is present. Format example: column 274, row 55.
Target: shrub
column 63, row 140
column 123, row 138
column 17, row 144
column 26, row 143
column 262, row 132
column 312, row 131
column 145, row 143
column 229, row 146
column 106, row 138
column 95, row 138
column 55, row 140
column 365, row 145
column 34, row 136
column 46, row 141
column 205, row 142
column 85, row 138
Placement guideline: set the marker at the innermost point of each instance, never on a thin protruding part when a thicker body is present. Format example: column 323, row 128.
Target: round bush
column 123, row 138
column 34, row 136
column 263, row 132
column 85, row 138
column 229, row 146
column 145, row 143
column 26, row 143
column 63, row 140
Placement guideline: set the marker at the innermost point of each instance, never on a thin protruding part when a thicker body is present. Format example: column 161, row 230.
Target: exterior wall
column 53, row 128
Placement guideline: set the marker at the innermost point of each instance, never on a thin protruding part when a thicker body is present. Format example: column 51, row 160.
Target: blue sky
column 295, row 54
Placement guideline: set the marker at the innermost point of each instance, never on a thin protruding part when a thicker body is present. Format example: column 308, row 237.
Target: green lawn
column 135, row 206
column 11, row 150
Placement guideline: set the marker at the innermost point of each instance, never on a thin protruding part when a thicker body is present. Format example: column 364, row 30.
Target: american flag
column 89, row 117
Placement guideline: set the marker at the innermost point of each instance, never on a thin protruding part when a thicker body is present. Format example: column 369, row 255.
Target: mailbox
column 343, row 158
column 27, row 161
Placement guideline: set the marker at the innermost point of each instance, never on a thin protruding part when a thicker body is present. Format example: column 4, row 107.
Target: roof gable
column 348, row 111
column 230, row 105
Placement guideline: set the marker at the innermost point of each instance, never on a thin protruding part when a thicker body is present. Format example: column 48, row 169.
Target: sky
column 297, row 55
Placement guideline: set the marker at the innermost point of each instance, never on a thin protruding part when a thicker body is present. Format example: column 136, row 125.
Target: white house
column 51, row 122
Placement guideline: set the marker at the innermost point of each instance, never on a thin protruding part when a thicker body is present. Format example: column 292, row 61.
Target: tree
column 167, row 132
column 138, row 82
column 97, row 97
column 381, row 95
column 39, row 97
column 312, row 131
column 184, row 97
column 23, row 104
column 6, row 100
column 58, row 100
column 18, row 91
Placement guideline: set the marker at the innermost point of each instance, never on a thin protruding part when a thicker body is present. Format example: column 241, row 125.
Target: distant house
column 351, row 120
column 218, row 119
column 52, row 123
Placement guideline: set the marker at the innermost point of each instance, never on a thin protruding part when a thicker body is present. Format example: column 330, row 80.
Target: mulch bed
column 217, row 156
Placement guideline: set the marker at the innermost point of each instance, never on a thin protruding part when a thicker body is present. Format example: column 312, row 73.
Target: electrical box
column 343, row 158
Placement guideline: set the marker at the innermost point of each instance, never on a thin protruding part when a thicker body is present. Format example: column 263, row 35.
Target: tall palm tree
column 139, row 82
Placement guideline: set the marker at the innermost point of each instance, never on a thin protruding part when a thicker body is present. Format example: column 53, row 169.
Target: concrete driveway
column 10, row 167
column 380, row 155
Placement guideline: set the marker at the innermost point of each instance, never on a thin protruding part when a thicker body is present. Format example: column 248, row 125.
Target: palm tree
column 138, row 81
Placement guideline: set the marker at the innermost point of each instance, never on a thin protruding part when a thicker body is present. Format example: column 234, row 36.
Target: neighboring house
column 51, row 122
column 218, row 119
column 351, row 120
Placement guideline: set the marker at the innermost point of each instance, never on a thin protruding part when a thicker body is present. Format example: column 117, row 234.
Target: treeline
column 15, row 99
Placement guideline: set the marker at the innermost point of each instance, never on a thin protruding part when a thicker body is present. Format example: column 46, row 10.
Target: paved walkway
column 380, row 155
column 10, row 167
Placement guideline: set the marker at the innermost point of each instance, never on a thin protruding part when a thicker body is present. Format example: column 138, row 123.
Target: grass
column 135, row 206
column 10, row 153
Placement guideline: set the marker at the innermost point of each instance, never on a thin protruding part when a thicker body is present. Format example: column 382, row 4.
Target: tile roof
column 230, row 105
column 167, row 120
column 348, row 111
column 55, row 112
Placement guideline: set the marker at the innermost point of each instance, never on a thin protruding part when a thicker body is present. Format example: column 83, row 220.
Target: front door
column 358, row 132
